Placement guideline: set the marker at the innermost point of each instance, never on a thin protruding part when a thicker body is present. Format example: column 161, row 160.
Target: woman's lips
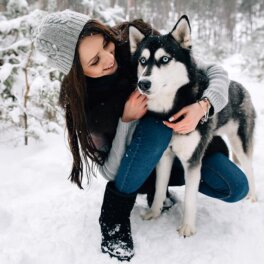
column 112, row 67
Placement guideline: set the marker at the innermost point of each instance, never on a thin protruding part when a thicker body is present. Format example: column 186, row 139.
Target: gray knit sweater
column 217, row 93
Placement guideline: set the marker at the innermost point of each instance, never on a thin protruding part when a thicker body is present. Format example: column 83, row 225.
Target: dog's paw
column 150, row 214
column 186, row 230
column 252, row 198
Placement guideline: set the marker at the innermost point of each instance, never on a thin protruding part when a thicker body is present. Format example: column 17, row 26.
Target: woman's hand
column 135, row 107
column 191, row 114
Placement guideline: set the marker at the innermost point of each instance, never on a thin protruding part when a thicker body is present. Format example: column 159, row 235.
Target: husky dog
column 168, row 76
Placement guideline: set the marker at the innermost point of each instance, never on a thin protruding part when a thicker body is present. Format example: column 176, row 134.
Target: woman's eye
column 142, row 61
column 96, row 62
column 165, row 59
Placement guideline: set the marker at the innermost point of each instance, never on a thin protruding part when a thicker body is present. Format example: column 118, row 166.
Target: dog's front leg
column 163, row 175
column 192, row 181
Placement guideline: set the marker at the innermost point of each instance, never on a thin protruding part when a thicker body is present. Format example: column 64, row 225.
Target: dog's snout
column 144, row 85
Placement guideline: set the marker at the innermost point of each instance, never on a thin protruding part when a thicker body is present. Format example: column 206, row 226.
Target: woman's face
column 97, row 56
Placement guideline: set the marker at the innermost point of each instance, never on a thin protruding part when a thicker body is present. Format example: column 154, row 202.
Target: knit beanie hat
column 57, row 37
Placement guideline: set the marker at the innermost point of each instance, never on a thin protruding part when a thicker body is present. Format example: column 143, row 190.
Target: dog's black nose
column 144, row 85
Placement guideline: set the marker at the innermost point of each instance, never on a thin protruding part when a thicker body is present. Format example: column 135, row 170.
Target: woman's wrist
column 126, row 119
column 205, row 106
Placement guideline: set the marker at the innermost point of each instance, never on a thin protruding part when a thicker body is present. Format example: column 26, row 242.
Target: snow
column 5, row 71
column 44, row 219
column 33, row 19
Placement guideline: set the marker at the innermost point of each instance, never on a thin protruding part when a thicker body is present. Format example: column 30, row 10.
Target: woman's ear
column 135, row 37
column 182, row 32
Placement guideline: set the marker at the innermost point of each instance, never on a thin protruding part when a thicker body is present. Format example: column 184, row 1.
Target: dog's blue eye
column 142, row 60
column 165, row 59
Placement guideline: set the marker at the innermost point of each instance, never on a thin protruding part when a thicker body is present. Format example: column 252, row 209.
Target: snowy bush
column 17, row 8
column 98, row 10
column 28, row 88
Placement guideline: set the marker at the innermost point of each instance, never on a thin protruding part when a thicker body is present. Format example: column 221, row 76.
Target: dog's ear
column 135, row 36
column 182, row 32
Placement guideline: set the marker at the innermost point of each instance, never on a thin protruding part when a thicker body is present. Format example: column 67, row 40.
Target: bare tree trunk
column 26, row 93
column 113, row 3
column 3, row 4
column 178, row 8
column 136, row 8
column 63, row 4
column 129, row 5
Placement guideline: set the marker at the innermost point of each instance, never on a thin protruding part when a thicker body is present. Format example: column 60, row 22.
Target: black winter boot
column 115, row 223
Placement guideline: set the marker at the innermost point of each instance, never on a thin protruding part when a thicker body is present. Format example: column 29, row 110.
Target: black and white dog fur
column 168, row 76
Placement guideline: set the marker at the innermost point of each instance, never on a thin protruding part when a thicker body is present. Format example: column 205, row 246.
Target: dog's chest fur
column 161, row 104
column 183, row 146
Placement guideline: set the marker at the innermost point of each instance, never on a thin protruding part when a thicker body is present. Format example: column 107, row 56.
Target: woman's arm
column 122, row 138
column 217, row 91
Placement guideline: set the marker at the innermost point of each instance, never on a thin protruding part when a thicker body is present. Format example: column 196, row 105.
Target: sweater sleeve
column 217, row 91
column 122, row 138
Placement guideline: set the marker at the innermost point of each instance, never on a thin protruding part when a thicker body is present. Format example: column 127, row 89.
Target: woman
column 106, row 121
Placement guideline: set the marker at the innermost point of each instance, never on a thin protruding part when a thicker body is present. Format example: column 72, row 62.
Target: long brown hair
column 74, row 93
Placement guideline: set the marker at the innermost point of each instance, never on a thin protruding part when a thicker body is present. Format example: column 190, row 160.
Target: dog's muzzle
column 144, row 85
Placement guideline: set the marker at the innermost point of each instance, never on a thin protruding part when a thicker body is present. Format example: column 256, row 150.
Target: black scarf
column 106, row 98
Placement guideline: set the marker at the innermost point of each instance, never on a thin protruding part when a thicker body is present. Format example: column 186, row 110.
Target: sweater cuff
column 123, row 127
column 217, row 100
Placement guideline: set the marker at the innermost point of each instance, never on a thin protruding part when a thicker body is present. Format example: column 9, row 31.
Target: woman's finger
column 135, row 94
column 178, row 114
column 168, row 124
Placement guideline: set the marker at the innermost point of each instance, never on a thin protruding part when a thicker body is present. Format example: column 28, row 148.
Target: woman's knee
column 156, row 132
column 234, row 181
column 126, row 188
column 238, row 190
column 237, row 181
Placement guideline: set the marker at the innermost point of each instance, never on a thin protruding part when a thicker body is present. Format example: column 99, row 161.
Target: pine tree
column 28, row 95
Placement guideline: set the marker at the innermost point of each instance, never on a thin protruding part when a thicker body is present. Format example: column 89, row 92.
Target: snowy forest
column 28, row 95
column 44, row 219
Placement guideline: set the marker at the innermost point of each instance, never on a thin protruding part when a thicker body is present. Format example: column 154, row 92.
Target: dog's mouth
column 144, row 92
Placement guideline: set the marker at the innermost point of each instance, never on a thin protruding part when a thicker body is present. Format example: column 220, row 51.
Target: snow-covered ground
column 46, row 220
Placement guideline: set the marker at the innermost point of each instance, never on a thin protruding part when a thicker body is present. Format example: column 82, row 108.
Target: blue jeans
column 220, row 178
column 149, row 141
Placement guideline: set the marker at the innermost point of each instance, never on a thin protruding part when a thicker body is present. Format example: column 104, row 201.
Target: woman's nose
column 108, row 59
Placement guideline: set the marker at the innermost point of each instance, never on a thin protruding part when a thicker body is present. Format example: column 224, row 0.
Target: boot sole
column 120, row 258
